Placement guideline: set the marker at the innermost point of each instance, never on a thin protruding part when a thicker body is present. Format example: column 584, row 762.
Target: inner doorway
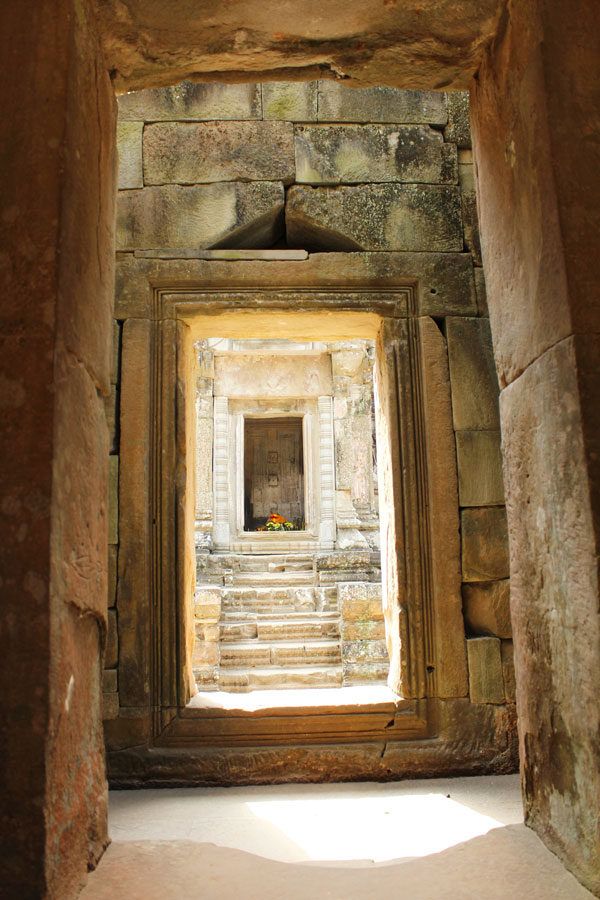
column 273, row 474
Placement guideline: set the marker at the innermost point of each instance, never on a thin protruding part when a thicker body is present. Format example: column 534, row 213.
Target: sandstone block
column 210, row 631
column 466, row 170
column 338, row 103
column 487, row 608
column 207, row 602
column 472, row 375
column 109, row 680
column 187, row 101
column 486, row 684
column 353, row 154
column 291, row 101
column 458, row 129
column 508, row 671
column 480, row 292
column 110, row 705
column 200, row 153
column 111, row 655
column 375, row 217
column 484, row 544
column 112, row 576
column 360, row 602
column 113, row 499
column 347, row 362
column 471, row 226
column 129, row 148
column 479, row 462
column 366, row 672
column 364, row 650
column 208, row 215
column 206, row 653
column 363, row 631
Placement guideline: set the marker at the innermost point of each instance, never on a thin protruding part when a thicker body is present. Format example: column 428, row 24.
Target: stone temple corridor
column 439, row 839
column 423, row 177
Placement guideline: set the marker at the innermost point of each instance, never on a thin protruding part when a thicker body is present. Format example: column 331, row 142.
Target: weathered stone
column 253, row 376
column 466, row 170
column 110, row 705
column 129, row 147
column 207, row 215
column 291, row 101
column 487, row 608
column 375, row 217
column 347, row 362
column 354, row 154
column 367, row 630
column 111, row 655
column 113, row 499
column 360, row 602
column 338, row 103
column 445, row 280
column 554, row 578
column 479, row 468
column 109, row 680
column 192, row 101
column 361, row 650
column 206, row 653
column 112, row 575
column 481, row 292
column 458, row 129
column 508, row 671
column 199, row 153
column 451, row 663
column 207, row 603
column 471, row 225
column 484, row 544
column 472, row 375
column 210, row 632
column 486, row 683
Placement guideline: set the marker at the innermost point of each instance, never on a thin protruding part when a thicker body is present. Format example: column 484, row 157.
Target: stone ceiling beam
column 432, row 44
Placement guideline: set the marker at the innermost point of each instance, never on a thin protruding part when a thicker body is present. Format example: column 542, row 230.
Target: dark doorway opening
column 273, row 473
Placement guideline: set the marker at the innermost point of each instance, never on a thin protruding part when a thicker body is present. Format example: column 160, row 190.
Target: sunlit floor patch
column 373, row 828
column 367, row 822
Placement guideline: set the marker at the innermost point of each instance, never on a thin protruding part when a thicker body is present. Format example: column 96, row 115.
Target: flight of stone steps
column 277, row 627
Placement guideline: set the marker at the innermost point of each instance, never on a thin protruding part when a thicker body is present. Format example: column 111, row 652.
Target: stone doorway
column 288, row 591
column 273, row 473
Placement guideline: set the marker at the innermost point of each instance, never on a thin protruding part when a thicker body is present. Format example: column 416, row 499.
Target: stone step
column 264, row 579
column 241, row 617
column 277, row 600
column 279, row 653
column 275, row 678
column 237, row 562
column 264, row 629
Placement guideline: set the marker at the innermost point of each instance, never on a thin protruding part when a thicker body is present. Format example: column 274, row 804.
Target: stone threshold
column 342, row 699
column 233, row 255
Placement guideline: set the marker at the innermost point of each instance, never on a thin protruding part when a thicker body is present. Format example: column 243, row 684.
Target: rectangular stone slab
column 484, row 544
column 129, row 148
column 486, row 681
column 353, row 154
column 200, row 153
column 291, row 101
column 192, row 101
column 338, row 103
column 479, row 468
column 199, row 216
column 375, row 217
column 472, row 374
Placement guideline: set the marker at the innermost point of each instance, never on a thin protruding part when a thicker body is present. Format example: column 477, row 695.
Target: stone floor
column 446, row 839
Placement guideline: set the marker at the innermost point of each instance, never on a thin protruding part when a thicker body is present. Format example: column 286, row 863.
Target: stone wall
column 288, row 171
